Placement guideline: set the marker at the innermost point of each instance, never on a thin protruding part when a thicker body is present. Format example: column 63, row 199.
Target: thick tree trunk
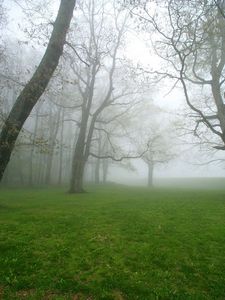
column 36, row 86
column 76, row 184
column 78, row 163
column 150, row 174
column 5, row 179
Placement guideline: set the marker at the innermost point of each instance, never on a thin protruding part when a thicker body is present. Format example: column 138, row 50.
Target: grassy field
column 114, row 242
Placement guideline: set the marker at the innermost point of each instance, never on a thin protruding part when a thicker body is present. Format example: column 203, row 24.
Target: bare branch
column 120, row 158
column 77, row 54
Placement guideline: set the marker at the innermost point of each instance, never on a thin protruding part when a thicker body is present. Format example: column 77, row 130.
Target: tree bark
column 76, row 184
column 37, row 84
column 78, row 163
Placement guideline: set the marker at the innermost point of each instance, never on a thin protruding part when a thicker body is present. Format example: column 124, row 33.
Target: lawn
column 113, row 242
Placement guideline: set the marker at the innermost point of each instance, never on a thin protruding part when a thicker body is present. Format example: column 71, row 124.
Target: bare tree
column 192, row 44
column 158, row 154
column 101, row 55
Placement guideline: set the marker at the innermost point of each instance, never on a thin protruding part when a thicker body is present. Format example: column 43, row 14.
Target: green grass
column 114, row 242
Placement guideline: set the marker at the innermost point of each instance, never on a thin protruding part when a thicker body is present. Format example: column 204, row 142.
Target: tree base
column 78, row 191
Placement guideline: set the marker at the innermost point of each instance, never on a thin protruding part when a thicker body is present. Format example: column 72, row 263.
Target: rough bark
column 37, row 84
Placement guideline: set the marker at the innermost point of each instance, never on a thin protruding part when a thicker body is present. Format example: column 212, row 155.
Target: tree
column 37, row 84
column 192, row 45
column 156, row 129
column 159, row 153
column 100, row 47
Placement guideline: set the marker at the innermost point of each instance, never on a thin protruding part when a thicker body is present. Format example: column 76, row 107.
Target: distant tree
column 158, row 154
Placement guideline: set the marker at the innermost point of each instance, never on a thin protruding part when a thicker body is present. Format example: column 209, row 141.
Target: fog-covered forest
column 130, row 92
column 112, row 120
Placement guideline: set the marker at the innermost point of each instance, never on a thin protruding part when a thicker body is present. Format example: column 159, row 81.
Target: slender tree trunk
column 97, row 171
column 20, row 169
column 61, row 150
column 39, row 168
column 150, row 174
column 54, row 128
column 37, row 84
column 30, row 180
column 105, row 167
column 43, row 169
column 98, row 163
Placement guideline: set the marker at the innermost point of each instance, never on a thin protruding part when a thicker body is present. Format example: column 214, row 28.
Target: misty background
column 115, row 42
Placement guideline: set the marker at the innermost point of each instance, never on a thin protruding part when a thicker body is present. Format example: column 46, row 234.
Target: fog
column 112, row 140
column 118, row 103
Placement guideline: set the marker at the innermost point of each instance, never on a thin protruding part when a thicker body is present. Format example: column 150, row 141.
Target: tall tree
column 37, row 84
column 100, row 47
column 191, row 41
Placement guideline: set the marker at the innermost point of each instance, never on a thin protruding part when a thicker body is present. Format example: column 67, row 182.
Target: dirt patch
column 118, row 295
column 23, row 294
column 1, row 292
column 81, row 297
column 50, row 296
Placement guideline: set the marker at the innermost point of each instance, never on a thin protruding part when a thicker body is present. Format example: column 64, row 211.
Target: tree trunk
column 150, row 174
column 5, row 179
column 37, row 84
column 54, row 128
column 20, row 169
column 76, row 184
column 43, row 169
column 97, row 171
column 98, row 163
column 61, row 150
column 105, row 167
column 30, row 180
column 78, row 163
column 39, row 159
